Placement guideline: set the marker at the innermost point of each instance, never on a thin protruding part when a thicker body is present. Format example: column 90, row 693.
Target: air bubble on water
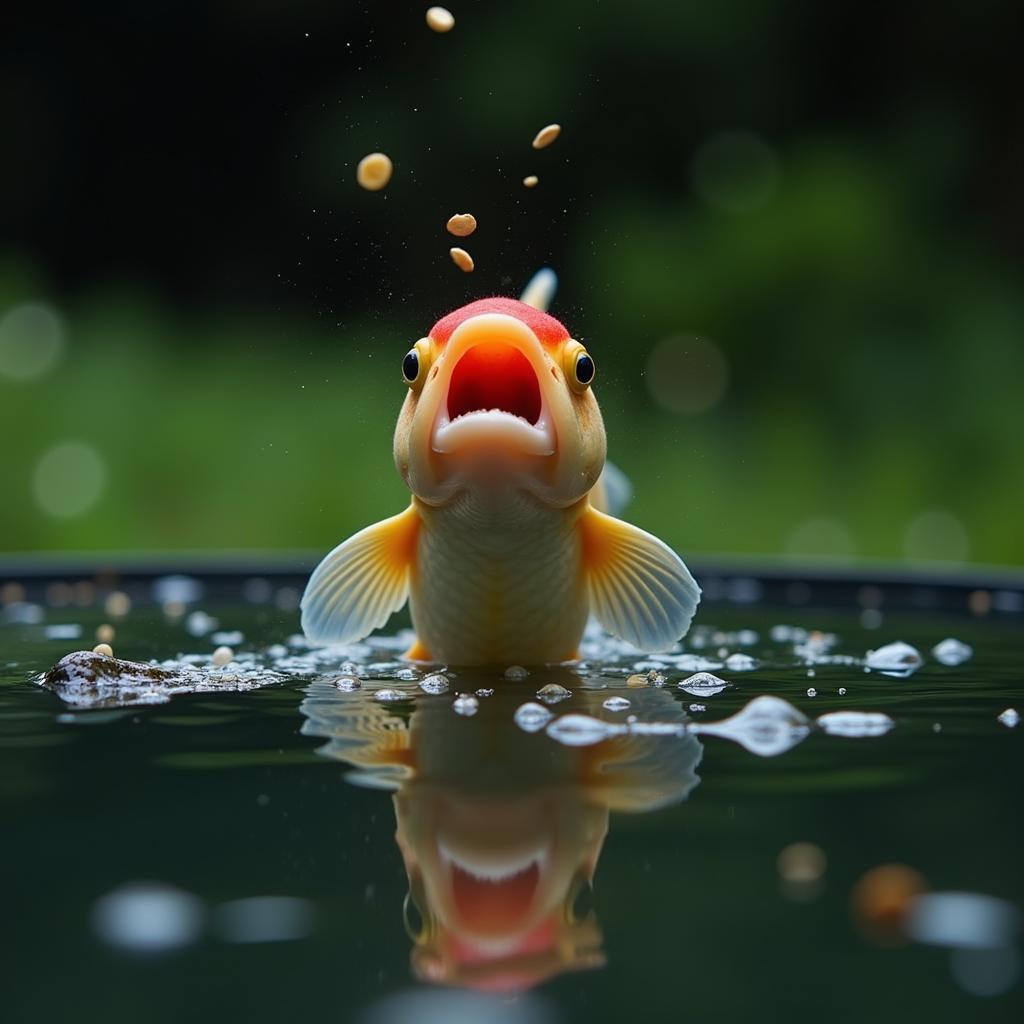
column 811, row 691
column 408, row 675
column 199, row 623
column 855, row 724
column 703, row 684
column 897, row 659
column 347, row 684
column 952, row 651
column 466, row 704
column 582, row 730
column 615, row 704
column 842, row 691
column 1010, row 718
column 552, row 693
column 485, row 691
column 63, row 631
column 435, row 683
column 698, row 707
column 389, row 696
column 740, row 662
column 516, row 673
column 767, row 726
column 532, row 717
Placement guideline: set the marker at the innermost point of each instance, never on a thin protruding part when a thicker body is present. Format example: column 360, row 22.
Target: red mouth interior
column 494, row 375
column 493, row 907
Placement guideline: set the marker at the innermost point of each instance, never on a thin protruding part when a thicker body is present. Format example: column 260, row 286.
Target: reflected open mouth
column 492, row 898
column 494, row 396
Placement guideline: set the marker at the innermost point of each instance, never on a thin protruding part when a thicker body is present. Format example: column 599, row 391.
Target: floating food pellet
column 530, row 181
column 881, row 901
column 104, row 649
column 546, row 136
column 374, row 171
column 462, row 259
column 105, row 633
column 440, row 19
column 801, row 862
column 223, row 656
column 462, row 225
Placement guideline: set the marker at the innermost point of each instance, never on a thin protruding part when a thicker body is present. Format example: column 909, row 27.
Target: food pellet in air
column 440, row 19
column 223, row 656
column 530, row 181
column 461, row 259
column 374, row 171
column 546, row 136
column 462, row 224
column 103, row 649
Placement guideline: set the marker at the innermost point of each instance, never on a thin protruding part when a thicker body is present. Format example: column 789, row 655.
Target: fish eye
column 416, row 363
column 585, row 369
column 578, row 366
column 411, row 366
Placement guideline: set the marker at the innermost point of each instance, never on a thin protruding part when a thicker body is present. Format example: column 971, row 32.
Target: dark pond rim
column 975, row 589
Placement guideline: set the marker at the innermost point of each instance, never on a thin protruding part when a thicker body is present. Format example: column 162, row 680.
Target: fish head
column 499, row 395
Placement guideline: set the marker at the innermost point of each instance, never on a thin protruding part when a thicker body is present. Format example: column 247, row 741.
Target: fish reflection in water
column 501, row 829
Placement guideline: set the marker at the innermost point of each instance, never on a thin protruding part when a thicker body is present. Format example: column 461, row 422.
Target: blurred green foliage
column 864, row 290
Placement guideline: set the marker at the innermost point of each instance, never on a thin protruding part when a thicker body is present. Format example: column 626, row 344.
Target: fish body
column 505, row 548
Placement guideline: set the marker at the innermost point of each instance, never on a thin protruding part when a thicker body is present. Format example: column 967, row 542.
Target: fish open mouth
column 494, row 896
column 494, row 397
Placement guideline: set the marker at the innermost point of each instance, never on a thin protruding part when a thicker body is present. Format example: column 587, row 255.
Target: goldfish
column 508, row 543
column 500, row 829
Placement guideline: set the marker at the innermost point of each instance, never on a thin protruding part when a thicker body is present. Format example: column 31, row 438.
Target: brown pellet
column 374, row 171
column 461, row 259
column 546, row 136
column 462, row 225
column 530, row 181
column 440, row 19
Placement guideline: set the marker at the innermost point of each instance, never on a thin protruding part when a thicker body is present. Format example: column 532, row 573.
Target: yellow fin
column 640, row 590
column 358, row 586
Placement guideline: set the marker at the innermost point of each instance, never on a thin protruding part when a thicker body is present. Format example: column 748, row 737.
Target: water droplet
column 842, row 691
column 148, row 917
column 703, row 684
column 466, row 704
column 896, row 659
column 1010, row 718
column 811, row 691
column 767, row 726
column 435, row 683
column 347, row 684
column 952, row 652
column 698, row 707
column 532, row 717
column 407, row 675
column 616, row 704
column 582, row 730
column 552, row 693
column 740, row 662
column 855, row 723
column 516, row 673
column 388, row 696
column 485, row 691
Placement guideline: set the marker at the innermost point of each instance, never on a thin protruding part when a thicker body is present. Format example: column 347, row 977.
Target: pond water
column 338, row 835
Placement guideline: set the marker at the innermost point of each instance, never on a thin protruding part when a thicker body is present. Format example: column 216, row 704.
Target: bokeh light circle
column 735, row 172
column 687, row 374
column 936, row 535
column 820, row 537
column 68, row 479
column 31, row 341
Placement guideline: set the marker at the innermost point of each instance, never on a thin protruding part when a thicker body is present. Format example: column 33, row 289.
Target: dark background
column 810, row 214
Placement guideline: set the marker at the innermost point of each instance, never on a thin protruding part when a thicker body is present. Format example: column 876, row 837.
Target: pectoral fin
column 358, row 586
column 640, row 590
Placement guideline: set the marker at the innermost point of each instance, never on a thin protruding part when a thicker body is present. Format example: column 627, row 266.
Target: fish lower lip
column 494, row 426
